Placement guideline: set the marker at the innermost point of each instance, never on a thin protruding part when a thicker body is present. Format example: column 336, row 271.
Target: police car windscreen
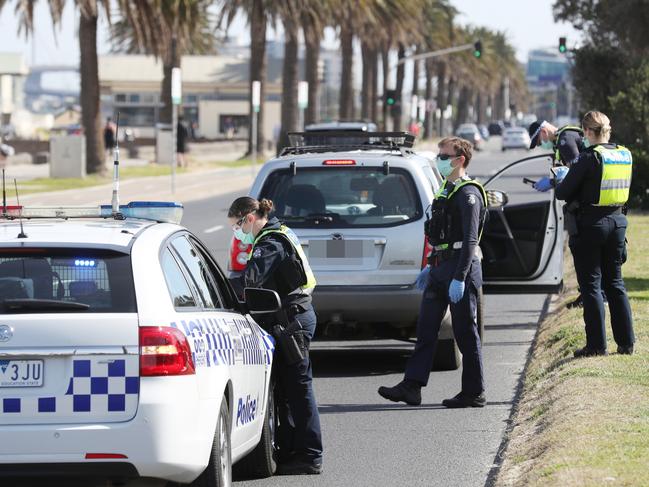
column 343, row 197
column 101, row 280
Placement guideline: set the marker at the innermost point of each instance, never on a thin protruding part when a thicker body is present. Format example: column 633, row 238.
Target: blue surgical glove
column 560, row 173
column 456, row 290
column 422, row 278
column 543, row 184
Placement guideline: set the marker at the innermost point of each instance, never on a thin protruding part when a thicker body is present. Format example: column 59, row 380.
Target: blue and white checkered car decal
column 96, row 386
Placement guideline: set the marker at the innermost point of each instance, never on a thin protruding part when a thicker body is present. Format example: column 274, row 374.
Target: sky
column 528, row 23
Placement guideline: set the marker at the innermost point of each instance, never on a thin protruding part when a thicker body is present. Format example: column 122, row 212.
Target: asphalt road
column 369, row 441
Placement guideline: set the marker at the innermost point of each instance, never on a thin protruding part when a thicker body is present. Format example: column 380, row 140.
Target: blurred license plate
column 340, row 249
column 21, row 373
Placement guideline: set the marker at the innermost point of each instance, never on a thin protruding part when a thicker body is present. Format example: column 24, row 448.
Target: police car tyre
column 218, row 472
column 261, row 462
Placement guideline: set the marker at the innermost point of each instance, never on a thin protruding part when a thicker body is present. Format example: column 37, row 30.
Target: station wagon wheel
column 218, row 472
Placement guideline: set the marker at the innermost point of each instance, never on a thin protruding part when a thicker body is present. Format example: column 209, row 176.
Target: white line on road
column 214, row 229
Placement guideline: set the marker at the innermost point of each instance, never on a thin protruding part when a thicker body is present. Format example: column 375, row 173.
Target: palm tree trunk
column 258, row 68
column 374, row 96
column 441, row 95
column 462, row 108
column 346, row 109
column 312, row 56
column 415, row 86
column 366, row 93
column 90, row 115
column 385, row 60
column 289, row 81
column 450, row 99
column 171, row 60
column 428, row 118
column 397, row 110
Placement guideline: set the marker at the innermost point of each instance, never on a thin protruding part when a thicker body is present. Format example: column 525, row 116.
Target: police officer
column 565, row 143
column 5, row 152
column 453, row 277
column 277, row 262
column 595, row 189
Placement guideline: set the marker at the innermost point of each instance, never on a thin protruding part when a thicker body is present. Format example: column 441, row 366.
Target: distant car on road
column 515, row 138
column 471, row 133
column 484, row 131
column 496, row 128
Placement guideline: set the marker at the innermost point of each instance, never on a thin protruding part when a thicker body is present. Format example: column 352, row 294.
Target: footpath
column 585, row 422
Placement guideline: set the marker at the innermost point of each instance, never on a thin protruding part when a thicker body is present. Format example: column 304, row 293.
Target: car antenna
column 22, row 233
column 115, row 199
column 4, row 193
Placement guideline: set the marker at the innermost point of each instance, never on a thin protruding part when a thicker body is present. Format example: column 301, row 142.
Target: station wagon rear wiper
column 40, row 305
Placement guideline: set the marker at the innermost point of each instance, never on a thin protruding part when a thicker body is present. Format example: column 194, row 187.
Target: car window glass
column 181, row 294
column 198, row 271
column 224, row 292
column 337, row 196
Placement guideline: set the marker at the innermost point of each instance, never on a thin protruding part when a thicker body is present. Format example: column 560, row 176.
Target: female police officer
column 596, row 188
column 277, row 262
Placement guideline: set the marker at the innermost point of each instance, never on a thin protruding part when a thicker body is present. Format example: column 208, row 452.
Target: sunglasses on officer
column 240, row 221
column 446, row 157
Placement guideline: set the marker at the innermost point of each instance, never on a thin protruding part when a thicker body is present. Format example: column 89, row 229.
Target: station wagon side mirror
column 261, row 300
column 496, row 199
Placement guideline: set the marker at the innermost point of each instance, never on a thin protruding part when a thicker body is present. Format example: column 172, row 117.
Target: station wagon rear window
column 65, row 280
column 339, row 196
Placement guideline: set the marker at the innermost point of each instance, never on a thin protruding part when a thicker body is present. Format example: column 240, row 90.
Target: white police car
column 125, row 353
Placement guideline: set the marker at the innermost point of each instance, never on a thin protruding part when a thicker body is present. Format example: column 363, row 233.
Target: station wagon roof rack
column 343, row 141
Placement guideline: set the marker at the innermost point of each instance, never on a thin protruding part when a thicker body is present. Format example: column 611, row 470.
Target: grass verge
column 585, row 422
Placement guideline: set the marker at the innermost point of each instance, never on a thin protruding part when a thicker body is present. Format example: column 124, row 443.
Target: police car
column 124, row 352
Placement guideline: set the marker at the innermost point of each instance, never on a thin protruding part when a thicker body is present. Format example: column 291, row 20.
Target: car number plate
column 21, row 373
column 341, row 249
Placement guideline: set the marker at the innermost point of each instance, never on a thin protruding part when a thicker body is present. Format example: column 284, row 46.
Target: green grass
column 585, row 422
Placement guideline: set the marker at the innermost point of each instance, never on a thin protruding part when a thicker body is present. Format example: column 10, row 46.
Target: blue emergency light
column 160, row 211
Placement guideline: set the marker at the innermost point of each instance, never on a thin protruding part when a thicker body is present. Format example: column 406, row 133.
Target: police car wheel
column 218, row 472
column 261, row 462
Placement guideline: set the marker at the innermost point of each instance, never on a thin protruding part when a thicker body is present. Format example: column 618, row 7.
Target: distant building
column 13, row 71
column 550, row 83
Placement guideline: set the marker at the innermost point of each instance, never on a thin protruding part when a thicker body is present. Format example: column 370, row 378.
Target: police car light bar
column 160, row 211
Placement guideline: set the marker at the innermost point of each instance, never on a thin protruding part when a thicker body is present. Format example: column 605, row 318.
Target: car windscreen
column 343, row 196
column 46, row 280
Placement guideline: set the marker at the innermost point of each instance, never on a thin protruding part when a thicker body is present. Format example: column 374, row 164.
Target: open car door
column 522, row 242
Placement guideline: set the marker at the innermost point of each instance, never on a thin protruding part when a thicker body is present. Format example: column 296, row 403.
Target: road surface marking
column 214, row 229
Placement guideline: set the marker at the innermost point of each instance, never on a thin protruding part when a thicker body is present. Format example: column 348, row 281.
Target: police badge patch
column 256, row 253
column 471, row 199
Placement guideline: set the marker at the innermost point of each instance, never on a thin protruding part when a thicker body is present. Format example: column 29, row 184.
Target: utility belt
column 443, row 253
column 290, row 337
column 574, row 211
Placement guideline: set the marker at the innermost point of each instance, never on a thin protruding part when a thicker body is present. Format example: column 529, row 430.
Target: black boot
column 628, row 350
column 407, row 391
column 465, row 401
column 588, row 352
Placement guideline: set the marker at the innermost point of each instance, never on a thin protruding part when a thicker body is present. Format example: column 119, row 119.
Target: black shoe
column 406, row 391
column 577, row 303
column 299, row 467
column 465, row 401
column 625, row 350
column 588, row 352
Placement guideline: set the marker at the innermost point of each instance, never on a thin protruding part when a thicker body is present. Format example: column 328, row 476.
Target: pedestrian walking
column 182, row 133
column 596, row 189
column 452, row 278
column 277, row 262
column 110, row 136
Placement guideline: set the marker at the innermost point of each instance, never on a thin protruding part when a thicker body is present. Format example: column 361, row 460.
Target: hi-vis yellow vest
column 295, row 243
column 617, row 165
column 557, row 154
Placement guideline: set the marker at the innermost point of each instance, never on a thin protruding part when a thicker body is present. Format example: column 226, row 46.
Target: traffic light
column 390, row 97
column 477, row 49
column 562, row 45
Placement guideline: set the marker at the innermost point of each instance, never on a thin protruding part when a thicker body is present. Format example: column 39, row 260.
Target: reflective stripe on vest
column 295, row 243
column 617, row 166
column 574, row 128
column 441, row 194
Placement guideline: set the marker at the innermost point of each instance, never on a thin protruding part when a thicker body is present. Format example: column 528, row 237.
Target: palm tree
column 289, row 12
column 314, row 17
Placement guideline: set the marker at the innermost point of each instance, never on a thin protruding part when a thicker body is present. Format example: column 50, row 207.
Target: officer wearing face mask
column 277, row 262
column 565, row 143
column 452, row 278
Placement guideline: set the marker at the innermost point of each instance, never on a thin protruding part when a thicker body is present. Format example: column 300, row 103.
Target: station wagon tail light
column 428, row 248
column 164, row 351
column 239, row 252
column 339, row 162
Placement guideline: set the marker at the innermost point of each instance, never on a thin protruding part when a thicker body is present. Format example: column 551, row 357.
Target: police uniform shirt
column 582, row 182
column 569, row 145
column 267, row 255
column 466, row 207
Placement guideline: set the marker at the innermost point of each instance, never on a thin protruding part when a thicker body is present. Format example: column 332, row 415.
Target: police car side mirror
column 496, row 199
column 261, row 300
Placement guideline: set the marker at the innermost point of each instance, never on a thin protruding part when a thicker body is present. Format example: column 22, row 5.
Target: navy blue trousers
column 299, row 431
column 598, row 252
column 434, row 303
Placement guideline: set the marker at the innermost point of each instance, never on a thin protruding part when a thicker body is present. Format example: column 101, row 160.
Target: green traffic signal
column 562, row 45
column 390, row 97
column 477, row 49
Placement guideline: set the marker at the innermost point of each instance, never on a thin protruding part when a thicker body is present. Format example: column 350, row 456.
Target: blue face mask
column 243, row 237
column 546, row 144
column 444, row 167
column 586, row 142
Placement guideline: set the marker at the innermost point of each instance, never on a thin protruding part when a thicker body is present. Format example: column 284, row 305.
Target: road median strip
column 584, row 422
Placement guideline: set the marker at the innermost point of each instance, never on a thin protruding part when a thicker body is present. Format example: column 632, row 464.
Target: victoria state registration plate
column 21, row 373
